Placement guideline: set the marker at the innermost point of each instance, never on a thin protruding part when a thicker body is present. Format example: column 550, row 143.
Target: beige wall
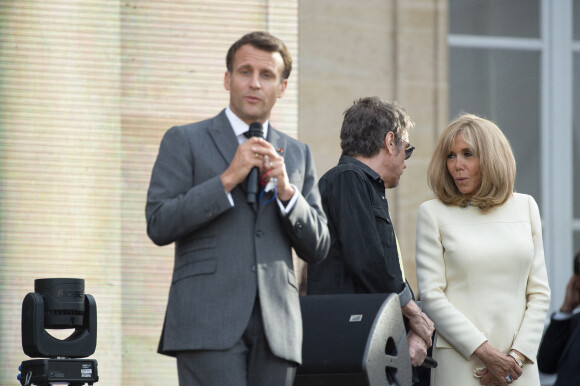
column 88, row 88
column 60, row 164
column 393, row 49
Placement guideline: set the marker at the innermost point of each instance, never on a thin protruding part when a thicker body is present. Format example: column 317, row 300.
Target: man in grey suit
column 233, row 314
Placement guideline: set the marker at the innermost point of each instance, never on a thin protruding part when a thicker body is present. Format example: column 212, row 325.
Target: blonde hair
column 496, row 162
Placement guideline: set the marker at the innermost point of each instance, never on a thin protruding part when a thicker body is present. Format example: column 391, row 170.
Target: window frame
column 556, row 48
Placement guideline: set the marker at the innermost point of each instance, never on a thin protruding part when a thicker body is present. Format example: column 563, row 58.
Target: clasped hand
column 257, row 152
column 498, row 366
column 421, row 330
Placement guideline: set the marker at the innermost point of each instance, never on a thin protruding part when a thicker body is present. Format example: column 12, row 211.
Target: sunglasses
column 408, row 148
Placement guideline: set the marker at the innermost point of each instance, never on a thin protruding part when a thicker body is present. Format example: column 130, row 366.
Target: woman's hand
column 498, row 366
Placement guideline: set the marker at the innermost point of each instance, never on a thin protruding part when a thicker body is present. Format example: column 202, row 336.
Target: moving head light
column 59, row 304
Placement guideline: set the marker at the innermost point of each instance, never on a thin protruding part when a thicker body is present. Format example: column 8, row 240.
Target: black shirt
column 363, row 256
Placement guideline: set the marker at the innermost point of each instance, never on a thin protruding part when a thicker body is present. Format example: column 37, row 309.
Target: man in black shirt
column 364, row 252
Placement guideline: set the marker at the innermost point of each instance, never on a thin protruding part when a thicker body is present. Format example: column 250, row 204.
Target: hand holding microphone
column 246, row 159
column 257, row 162
column 255, row 130
column 273, row 166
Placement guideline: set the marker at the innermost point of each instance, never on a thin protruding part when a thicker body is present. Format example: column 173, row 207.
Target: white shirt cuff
column 286, row 209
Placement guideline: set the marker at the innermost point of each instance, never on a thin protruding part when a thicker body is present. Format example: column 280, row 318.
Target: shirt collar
column 370, row 172
column 239, row 126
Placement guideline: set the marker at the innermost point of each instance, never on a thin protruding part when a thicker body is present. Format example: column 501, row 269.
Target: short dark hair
column 265, row 42
column 577, row 264
column 367, row 122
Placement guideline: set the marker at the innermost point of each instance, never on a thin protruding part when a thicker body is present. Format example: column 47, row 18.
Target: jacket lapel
column 223, row 137
column 225, row 141
column 278, row 143
column 276, row 140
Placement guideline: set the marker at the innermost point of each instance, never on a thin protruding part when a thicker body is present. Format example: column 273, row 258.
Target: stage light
column 59, row 304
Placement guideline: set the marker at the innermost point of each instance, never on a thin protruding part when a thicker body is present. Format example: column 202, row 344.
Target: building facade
column 89, row 87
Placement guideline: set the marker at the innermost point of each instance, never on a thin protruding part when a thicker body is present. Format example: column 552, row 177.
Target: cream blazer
column 482, row 276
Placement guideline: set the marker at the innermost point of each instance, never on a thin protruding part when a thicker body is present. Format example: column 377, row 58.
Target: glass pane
column 576, row 243
column 576, row 137
column 576, row 20
column 514, row 18
column 503, row 86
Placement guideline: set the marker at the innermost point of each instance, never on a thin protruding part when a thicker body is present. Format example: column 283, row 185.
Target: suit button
column 210, row 211
column 259, row 233
column 298, row 227
column 254, row 268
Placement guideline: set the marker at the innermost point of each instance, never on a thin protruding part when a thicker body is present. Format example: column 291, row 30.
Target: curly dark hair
column 367, row 122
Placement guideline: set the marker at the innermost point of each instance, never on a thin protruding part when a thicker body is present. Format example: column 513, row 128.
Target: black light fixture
column 59, row 304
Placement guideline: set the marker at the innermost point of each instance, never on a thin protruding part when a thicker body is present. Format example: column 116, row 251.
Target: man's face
column 255, row 83
column 396, row 162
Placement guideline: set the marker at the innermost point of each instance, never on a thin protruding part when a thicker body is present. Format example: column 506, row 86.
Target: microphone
column 255, row 130
column 429, row 363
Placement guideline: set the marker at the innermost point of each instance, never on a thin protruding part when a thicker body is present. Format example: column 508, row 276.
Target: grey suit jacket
column 225, row 256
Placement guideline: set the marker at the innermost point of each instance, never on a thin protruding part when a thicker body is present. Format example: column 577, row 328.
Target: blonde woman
column 480, row 261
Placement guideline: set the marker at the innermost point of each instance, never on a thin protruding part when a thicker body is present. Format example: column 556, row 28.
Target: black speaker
column 352, row 340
